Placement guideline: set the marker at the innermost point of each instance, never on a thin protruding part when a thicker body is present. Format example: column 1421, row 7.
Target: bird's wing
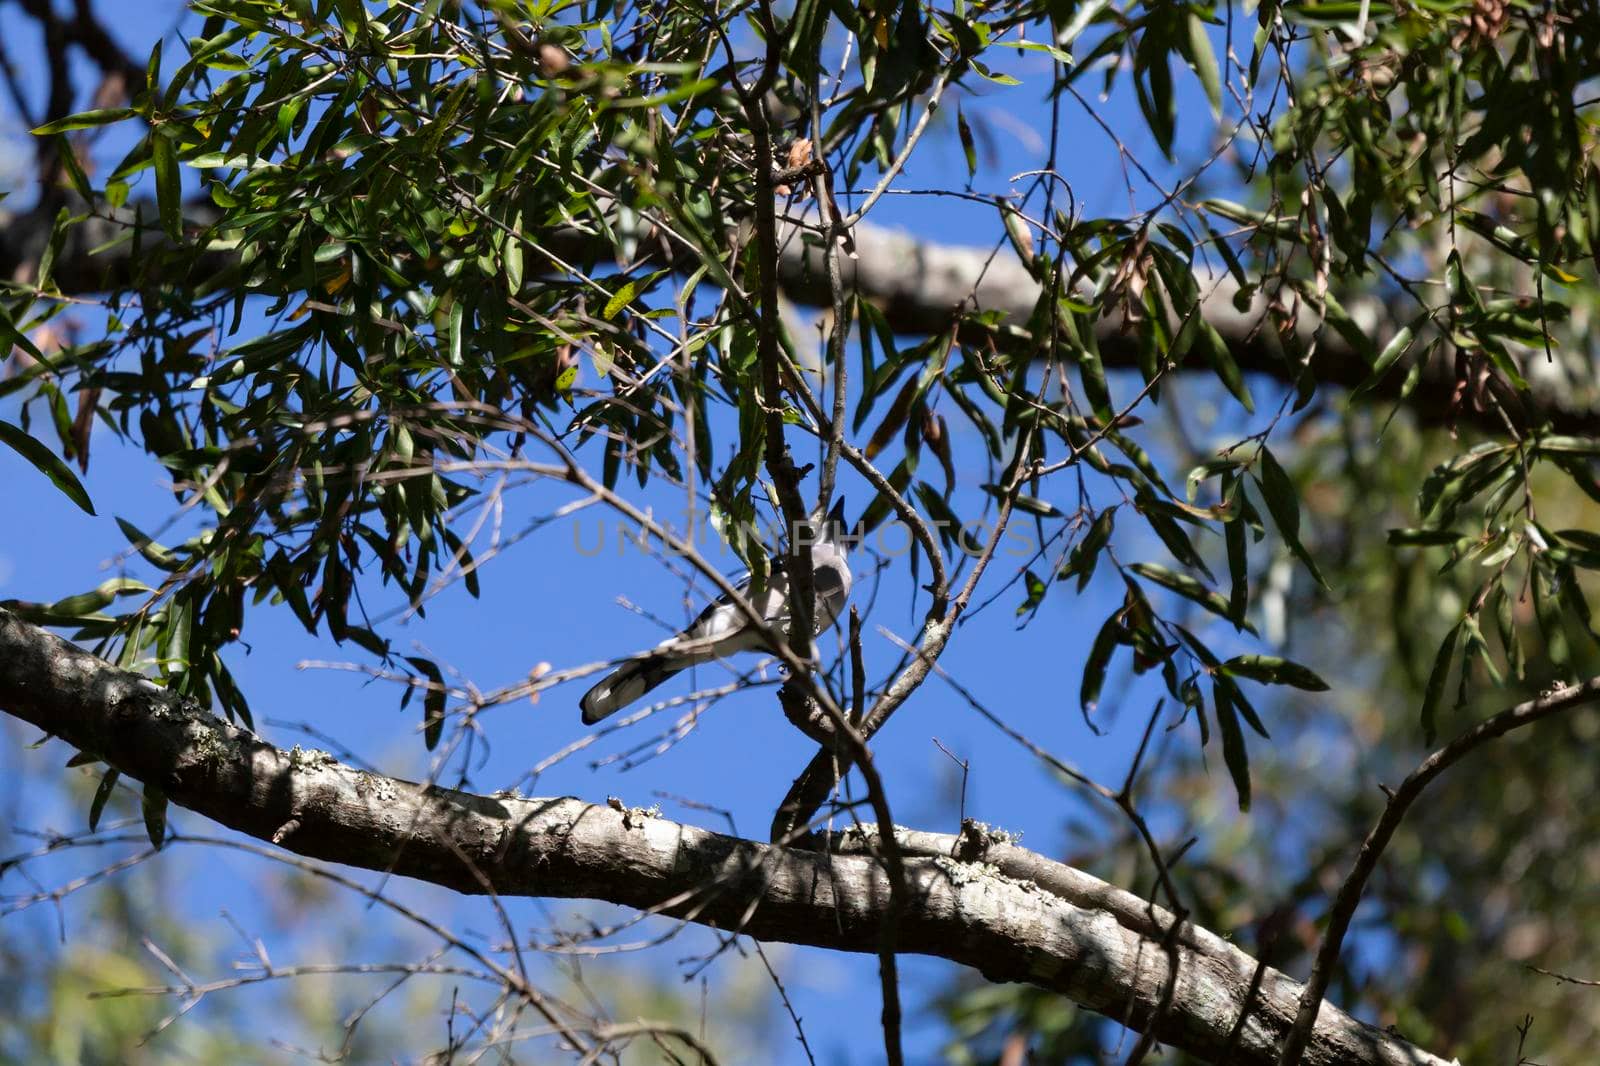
column 831, row 580
column 722, row 628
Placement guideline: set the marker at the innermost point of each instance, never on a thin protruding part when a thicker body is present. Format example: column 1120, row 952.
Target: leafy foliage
column 499, row 238
column 445, row 213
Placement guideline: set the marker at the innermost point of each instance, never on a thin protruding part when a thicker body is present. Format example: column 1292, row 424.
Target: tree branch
column 920, row 286
column 972, row 913
column 1343, row 909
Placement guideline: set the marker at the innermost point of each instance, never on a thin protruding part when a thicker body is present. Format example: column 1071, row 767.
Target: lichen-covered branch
column 1084, row 942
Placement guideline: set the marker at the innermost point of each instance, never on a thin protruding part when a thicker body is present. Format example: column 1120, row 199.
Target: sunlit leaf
column 85, row 120
column 1272, row 670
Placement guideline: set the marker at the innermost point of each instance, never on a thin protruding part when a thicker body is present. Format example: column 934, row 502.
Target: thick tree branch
column 920, row 285
column 86, row 31
column 1058, row 929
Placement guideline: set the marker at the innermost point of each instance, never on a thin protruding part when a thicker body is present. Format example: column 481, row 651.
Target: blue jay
column 722, row 629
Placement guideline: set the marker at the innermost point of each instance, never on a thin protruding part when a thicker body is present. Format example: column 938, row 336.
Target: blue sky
column 545, row 601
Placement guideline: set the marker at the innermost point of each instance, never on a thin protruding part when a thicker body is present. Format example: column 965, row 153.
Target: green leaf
column 1570, row 445
column 1436, row 680
column 1204, row 60
column 154, row 806
column 1096, row 389
column 216, row 160
column 1547, row 609
column 1463, row 293
column 1283, row 503
column 1506, row 626
column 1036, row 590
column 71, row 608
column 620, row 299
column 1234, row 531
column 1284, row 226
column 1220, row 356
column 1082, row 15
column 1422, row 538
column 1272, row 670
column 1190, row 589
column 1028, row 504
column 367, row 639
column 152, row 72
column 969, row 147
column 1343, row 323
column 803, row 36
column 1237, row 697
column 989, row 75
column 468, row 567
column 1238, row 570
column 1233, row 749
column 108, row 784
column 513, row 255
column 169, row 187
column 1086, row 553
column 153, row 553
column 672, row 96
column 10, row 335
column 1398, row 345
column 881, row 505
column 1060, row 55
column 58, row 237
column 1094, row 670
column 75, row 174
column 1163, row 519
column 433, row 700
column 1152, row 82
column 85, row 119
column 458, row 335
column 47, row 463
column 1016, row 228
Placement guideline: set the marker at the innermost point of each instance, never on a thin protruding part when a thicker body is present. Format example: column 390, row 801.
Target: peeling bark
column 1011, row 915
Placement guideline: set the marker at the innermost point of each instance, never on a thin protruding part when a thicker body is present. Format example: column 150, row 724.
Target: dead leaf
column 937, row 434
column 83, row 426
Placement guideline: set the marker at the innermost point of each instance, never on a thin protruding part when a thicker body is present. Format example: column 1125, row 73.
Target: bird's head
column 833, row 529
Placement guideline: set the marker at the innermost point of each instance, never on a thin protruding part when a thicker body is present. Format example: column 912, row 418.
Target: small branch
column 796, row 175
column 810, row 790
column 780, row 465
column 1561, row 698
column 627, row 1030
column 833, row 230
column 788, row 1006
column 1566, row 979
column 905, row 152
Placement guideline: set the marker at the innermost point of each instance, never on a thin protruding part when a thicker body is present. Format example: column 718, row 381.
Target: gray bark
column 1010, row 914
column 921, row 285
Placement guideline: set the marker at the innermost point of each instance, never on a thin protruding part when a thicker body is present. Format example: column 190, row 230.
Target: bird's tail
column 627, row 683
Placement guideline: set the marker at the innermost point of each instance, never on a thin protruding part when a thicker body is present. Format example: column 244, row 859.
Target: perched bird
column 722, row 629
